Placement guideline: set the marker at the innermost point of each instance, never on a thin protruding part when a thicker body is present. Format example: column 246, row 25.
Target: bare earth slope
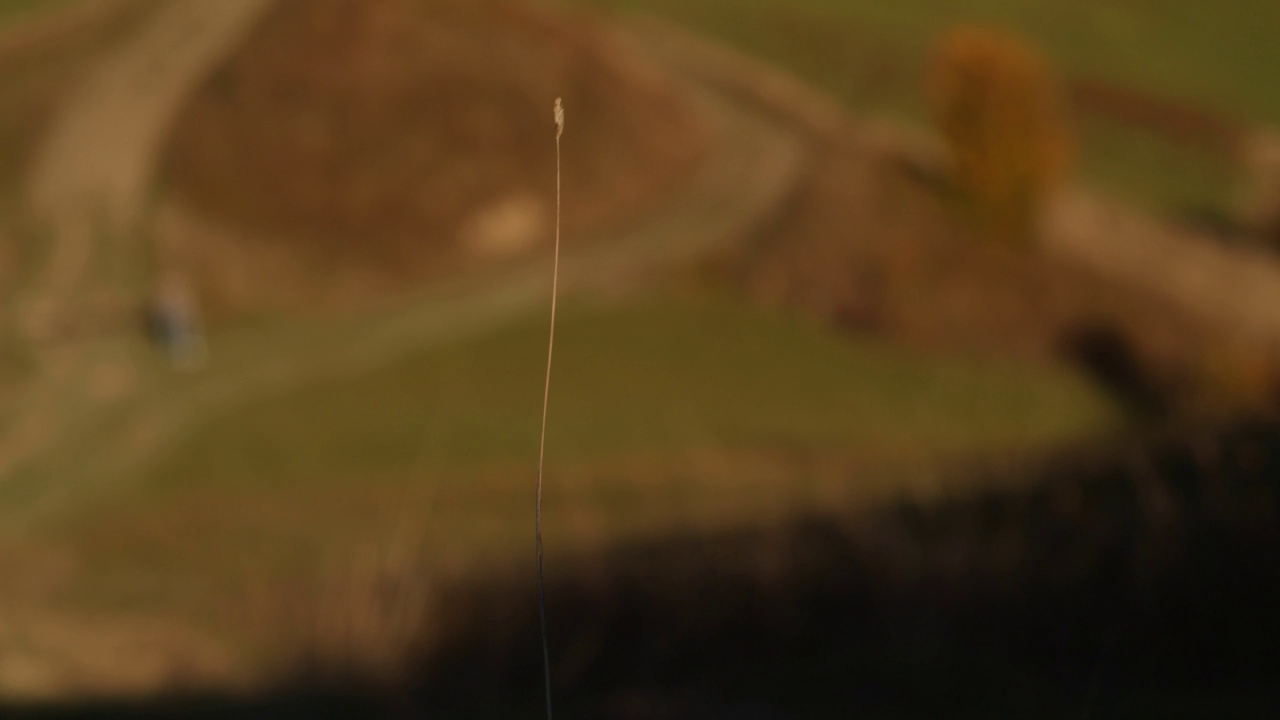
column 402, row 138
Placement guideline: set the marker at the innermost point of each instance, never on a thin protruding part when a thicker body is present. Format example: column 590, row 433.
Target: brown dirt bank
column 401, row 137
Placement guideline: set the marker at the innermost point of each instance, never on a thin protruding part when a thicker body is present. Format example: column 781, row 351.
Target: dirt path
column 1236, row 288
column 749, row 173
column 91, row 177
column 100, row 156
column 92, row 174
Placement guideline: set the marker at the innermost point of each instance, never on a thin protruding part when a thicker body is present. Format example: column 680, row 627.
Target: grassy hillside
column 17, row 10
column 664, row 412
column 1216, row 53
column 663, row 375
column 867, row 53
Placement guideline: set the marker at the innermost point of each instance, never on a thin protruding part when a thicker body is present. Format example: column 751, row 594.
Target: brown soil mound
column 404, row 136
column 871, row 245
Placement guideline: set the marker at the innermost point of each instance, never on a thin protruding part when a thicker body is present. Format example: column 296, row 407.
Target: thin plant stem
column 542, row 443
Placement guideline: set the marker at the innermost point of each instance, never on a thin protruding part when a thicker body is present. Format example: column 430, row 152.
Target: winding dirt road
column 749, row 171
column 748, row 174
column 95, row 173
column 90, row 180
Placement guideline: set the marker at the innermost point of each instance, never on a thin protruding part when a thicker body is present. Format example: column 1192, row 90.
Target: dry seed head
column 559, row 119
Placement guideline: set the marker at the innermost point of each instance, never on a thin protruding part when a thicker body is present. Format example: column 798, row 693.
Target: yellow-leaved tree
column 999, row 108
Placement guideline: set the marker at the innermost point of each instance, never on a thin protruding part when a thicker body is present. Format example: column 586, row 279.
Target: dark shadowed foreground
column 1137, row 580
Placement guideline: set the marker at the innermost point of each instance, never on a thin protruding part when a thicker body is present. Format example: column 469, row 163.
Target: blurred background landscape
column 914, row 358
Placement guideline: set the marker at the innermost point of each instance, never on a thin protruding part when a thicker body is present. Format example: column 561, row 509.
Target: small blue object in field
column 175, row 324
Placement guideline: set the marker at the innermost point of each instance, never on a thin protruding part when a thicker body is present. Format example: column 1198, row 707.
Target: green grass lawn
column 869, row 54
column 661, row 376
column 1217, row 53
column 17, row 10
column 643, row 394
column 667, row 377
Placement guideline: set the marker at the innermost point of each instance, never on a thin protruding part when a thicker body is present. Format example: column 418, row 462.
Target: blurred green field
column 870, row 54
column 661, row 375
column 18, row 10
column 1216, row 53
column 666, row 410
column 658, row 380
column 447, row 440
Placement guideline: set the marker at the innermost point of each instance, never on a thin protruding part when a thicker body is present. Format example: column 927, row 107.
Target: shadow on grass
column 1138, row 580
